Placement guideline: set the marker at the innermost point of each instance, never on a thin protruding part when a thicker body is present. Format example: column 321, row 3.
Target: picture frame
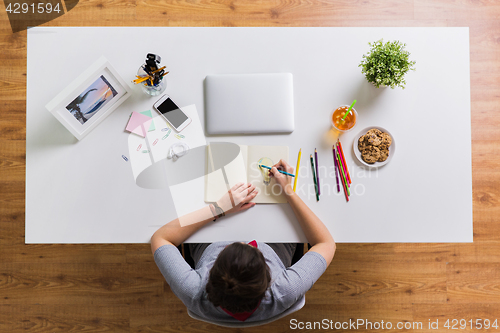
column 90, row 98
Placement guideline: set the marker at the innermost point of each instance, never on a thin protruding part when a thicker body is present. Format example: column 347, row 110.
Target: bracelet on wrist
column 218, row 211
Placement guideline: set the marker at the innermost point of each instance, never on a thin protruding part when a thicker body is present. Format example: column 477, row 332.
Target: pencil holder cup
column 151, row 90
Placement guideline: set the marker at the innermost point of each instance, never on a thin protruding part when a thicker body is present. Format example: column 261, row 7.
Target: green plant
column 386, row 64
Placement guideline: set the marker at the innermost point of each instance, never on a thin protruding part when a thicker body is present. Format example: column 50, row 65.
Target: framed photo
column 90, row 98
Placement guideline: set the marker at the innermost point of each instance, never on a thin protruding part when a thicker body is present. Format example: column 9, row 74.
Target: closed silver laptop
column 249, row 103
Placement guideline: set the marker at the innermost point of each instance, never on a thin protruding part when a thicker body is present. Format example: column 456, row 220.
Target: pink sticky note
column 138, row 124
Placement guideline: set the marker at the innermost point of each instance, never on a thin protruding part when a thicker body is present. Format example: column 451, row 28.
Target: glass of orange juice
column 348, row 123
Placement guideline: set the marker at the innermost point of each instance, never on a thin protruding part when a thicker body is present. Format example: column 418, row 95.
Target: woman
column 236, row 281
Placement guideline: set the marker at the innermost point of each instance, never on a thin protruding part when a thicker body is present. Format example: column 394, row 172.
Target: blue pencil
column 283, row 172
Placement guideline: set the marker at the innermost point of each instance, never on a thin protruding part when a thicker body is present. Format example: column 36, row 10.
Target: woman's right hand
column 284, row 180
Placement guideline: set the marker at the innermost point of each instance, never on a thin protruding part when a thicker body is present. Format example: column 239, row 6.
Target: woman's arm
column 316, row 232
column 177, row 231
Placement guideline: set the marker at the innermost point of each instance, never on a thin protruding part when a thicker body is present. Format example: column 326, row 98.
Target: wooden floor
column 118, row 288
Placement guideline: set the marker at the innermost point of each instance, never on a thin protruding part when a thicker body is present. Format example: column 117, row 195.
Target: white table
column 83, row 192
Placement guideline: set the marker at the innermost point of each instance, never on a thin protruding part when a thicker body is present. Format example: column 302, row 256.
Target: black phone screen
column 172, row 112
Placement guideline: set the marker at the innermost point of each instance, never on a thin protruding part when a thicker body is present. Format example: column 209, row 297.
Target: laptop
column 249, row 103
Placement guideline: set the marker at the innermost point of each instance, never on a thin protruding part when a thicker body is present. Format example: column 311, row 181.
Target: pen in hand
column 283, row 172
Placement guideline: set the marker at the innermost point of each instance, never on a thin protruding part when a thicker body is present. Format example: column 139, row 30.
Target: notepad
column 243, row 168
column 139, row 123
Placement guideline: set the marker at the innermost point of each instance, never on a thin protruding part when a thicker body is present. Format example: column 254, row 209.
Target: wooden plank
column 64, row 318
column 13, row 79
column 393, row 252
column 13, row 161
column 153, row 319
column 16, row 251
column 81, row 283
column 13, row 45
column 12, row 196
column 365, row 316
column 366, row 282
column 462, row 313
column 473, row 283
column 139, row 253
column 266, row 13
column 486, row 195
column 148, row 318
column 100, row 13
column 457, row 9
column 484, row 48
column 13, row 121
column 485, row 157
column 481, row 251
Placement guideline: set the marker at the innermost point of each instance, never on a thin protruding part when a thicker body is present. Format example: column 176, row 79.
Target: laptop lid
column 249, row 103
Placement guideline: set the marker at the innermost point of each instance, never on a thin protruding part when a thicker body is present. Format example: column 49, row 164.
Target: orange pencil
column 343, row 157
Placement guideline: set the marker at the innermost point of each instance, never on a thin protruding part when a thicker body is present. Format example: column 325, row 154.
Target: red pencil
column 345, row 163
column 342, row 179
column 342, row 164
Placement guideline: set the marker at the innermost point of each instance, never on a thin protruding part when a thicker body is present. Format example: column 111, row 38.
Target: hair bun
column 229, row 282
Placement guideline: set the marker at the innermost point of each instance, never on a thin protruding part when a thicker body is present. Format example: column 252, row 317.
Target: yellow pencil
column 159, row 69
column 141, row 79
column 297, row 171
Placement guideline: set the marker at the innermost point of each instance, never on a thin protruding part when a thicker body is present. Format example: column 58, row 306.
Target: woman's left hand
column 238, row 198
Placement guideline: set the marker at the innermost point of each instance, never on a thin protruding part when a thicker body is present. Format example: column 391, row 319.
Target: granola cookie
column 363, row 143
column 374, row 131
column 384, row 153
column 374, row 139
column 371, row 154
column 386, row 139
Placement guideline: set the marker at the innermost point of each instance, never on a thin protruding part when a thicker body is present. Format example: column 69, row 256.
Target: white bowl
column 357, row 153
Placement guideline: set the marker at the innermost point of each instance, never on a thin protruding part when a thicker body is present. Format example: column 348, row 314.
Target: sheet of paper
column 271, row 193
column 235, row 171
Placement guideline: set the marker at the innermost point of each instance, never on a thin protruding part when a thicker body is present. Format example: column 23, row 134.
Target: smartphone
column 172, row 113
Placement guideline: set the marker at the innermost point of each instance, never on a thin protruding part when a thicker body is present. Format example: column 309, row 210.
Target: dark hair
column 239, row 278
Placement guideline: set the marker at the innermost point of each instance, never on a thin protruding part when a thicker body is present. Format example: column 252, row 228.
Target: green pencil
column 314, row 178
column 343, row 174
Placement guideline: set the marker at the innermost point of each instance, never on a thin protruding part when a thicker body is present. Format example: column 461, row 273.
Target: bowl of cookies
column 374, row 146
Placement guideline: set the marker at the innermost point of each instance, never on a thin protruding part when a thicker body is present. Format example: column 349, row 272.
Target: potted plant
column 386, row 64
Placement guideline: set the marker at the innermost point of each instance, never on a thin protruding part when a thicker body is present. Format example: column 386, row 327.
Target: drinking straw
column 297, row 171
column 342, row 173
column 317, row 172
column 345, row 164
column 346, row 189
column 314, row 178
column 343, row 118
column 336, row 168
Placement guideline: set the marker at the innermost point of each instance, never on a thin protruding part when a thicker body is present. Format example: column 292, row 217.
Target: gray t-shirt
column 288, row 285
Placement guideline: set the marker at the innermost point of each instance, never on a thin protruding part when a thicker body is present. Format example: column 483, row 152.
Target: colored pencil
column 343, row 157
column 342, row 181
column 342, row 173
column 314, row 178
column 336, row 168
column 280, row 171
column 342, row 163
column 317, row 171
column 297, row 170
